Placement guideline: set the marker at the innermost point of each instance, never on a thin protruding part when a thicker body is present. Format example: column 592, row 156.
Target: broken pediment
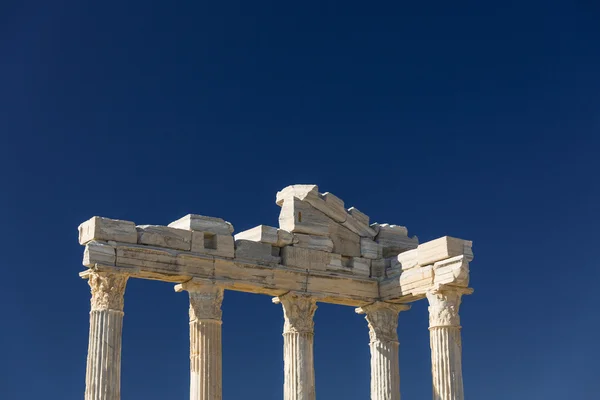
column 319, row 244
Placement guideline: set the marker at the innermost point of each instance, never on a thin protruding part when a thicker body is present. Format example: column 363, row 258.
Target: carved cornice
column 444, row 303
column 205, row 302
column 298, row 311
column 107, row 290
column 383, row 320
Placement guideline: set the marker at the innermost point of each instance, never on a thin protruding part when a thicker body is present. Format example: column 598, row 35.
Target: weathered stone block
column 196, row 264
column 417, row 279
column 147, row 257
column 350, row 287
column 358, row 227
column 194, row 222
column 334, row 207
column 267, row 234
column 298, row 257
column 442, row 248
column 361, row 266
column 257, row 251
column 394, row 239
column 98, row 253
column 243, row 277
column 327, row 203
column 98, row 228
column 453, row 271
column 301, row 192
column 260, row 233
column 359, row 216
column 370, row 249
column 337, row 262
column 378, row 268
column 289, row 279
column 322, row 243
column 213, row 244
column 408, row 259
column 392, row 267
column 164, row 236
column 284, row 238
column 345, row 242
column 300, row 217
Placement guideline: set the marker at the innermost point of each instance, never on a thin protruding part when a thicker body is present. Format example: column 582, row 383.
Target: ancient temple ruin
column 321, row 252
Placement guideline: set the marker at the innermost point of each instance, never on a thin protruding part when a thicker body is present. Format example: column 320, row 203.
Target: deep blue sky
column 475, row 119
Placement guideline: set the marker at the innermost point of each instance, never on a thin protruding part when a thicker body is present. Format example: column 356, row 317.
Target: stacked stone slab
column 321, row 223
column 321, row 252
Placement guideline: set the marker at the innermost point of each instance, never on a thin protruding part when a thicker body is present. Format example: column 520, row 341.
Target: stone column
column 298, row 332
column 385, row 371
column 206, row 382
column 103, row 373
column 445, row 342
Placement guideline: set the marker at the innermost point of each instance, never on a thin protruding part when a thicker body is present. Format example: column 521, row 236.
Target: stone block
column 164, row 236
column 370, row 249
column 284, row 238
column 378, row 268
column 394, row 239
column 300, row 217
column 98, row 228
column 337, row 263
column 356, row 226
column 260, row 233
column 300, row 192
column 453, row 271
column 442, row 248
column 256, row 251
column 360, row 266
column 348, row 265
column 347, row 287
column 327, row 203
column 359, row 216
column 408, row 259
column 98, row 253
column 334, row 207
column 392, row 267
column 147, row 257
column 194, row 222
column 196, row 265
column 213, row 244
column 345, row 242
column 417, row 279
column 298, row 257
column 267, row 234
column 240, row 276
column 322, row 243
column 289, row 279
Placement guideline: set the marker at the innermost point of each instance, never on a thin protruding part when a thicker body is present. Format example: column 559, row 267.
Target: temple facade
column 321, row 252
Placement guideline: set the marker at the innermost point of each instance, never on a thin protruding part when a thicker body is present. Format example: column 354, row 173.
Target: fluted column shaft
column 298, row 333
column 445, row 343
column 206, row 382
column 385, row 369
column 103, row 372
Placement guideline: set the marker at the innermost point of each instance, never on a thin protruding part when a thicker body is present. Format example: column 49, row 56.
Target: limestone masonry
column 321, row 252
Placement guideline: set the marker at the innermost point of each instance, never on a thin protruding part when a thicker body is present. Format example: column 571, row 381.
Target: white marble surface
column 103, row 371
column 321, row 250
column 298, row 332
column 385, row 369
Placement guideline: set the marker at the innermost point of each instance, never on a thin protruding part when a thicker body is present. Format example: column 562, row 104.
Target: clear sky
column 474, row 119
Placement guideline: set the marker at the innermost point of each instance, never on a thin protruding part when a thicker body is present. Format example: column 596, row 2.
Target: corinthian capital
column 444, row 303
column 298, row 311
column 383, row 320
column 205, row 302
column 107, row 290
